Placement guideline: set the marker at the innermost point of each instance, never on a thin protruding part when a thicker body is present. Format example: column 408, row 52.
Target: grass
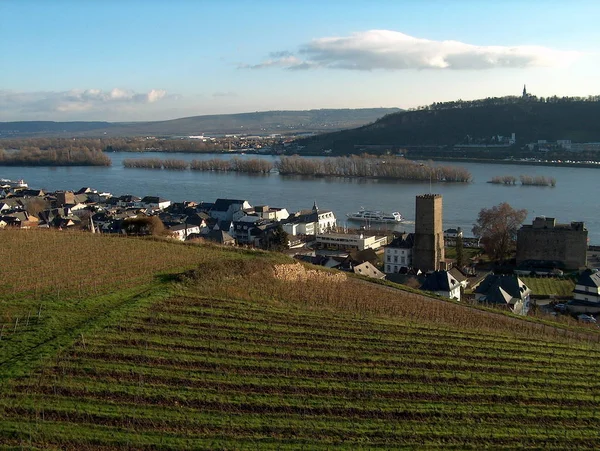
column 548, row 286
column 234, row 355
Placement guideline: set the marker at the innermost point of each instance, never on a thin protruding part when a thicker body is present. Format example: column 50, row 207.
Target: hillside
column 244, row 123
column 248, row 350
column 475, row 122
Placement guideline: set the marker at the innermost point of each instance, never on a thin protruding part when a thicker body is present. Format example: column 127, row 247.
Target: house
column 224, row 209
column 367, row 269
column 220, row 237
column 310, row 222
column 266, row 212
column 453, row 233
column 9, row 221
column 181, row 231
column 504, row 291
column 398, row 254
column 343, row 241
column 242, row 229
column 129, row 201
column 443, row 284
column 587, row 287
column 460, row 277
column 154, row 202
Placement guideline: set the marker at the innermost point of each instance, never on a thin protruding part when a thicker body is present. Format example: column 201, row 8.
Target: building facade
column 399, row 253
column 546, row 241
column 428, row 251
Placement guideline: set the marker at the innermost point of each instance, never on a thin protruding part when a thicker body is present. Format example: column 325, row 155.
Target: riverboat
column 5, row 183
column 374, row 216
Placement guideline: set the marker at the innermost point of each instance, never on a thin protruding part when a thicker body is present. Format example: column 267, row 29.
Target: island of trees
column 388, row 167
column 251, row 166
column 68, row 156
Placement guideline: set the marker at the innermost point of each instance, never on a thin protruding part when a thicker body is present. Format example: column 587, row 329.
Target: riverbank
column 514, row 162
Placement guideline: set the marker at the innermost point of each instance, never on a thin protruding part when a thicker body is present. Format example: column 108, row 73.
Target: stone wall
column 565, row 243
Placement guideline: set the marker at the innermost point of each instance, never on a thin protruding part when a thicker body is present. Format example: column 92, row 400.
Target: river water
column 576, row 196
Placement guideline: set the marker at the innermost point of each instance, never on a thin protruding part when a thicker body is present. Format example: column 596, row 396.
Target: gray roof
column 496, row 288
column 224, row 204
column 589, row 279
column 403, row 241
column 439, row 281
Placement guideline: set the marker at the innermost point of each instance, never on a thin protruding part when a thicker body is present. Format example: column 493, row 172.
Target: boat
column 6, row 183
column 374, row 216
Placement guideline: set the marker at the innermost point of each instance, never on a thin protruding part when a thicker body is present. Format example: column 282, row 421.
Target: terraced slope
column 201, row 371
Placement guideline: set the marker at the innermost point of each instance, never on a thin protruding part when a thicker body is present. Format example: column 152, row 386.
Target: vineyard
column 247, row 350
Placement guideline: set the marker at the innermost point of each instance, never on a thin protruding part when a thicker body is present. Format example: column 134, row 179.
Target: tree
column 277, row 239
column 497, row 229
column 144, row 225
column 460, row 257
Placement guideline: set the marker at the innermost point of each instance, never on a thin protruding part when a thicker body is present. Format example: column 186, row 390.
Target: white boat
column 373, row 216
column 5, row 183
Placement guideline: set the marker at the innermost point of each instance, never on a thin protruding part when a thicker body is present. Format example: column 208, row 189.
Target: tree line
column 252, row 166
column 68, row 156
column 505, row 100
column 389, row 167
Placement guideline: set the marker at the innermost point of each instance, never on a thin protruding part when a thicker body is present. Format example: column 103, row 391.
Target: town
column 431, row 259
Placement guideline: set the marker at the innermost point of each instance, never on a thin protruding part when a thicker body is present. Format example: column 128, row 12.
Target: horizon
column 137, row 61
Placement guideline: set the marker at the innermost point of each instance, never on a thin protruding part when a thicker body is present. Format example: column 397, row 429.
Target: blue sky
column 151, row 60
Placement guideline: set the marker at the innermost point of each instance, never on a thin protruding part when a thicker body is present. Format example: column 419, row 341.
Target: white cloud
column 53, row 104
column 155, row 95
column 392, row 50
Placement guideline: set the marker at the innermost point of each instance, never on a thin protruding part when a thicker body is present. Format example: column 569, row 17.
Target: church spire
column 524, row 91
column 315, row 207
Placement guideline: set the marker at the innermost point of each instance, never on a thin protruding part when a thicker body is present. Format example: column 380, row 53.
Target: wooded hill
column 473, row 122
column 284, row 122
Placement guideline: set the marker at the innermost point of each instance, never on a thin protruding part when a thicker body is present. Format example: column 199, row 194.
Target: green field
column 248, row 351
column 549, row 285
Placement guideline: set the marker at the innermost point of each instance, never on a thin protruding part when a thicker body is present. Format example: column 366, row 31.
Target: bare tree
column 497, row 229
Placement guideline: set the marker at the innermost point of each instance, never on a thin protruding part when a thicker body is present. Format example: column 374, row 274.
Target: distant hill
column 287, row 122
column 473, row 122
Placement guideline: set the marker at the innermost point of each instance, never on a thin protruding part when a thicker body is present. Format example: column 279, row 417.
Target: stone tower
column 428, row 250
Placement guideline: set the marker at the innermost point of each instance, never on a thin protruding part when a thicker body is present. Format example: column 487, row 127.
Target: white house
column 311, row 222
column 154, row 202
column 453, row 233
column 587, row 287
column 224, row 209
column 264, row 212
column 443, row 284
column 182, row 231
column 398, row 253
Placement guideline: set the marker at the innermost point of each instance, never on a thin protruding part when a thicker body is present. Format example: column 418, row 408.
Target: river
column 576, row 196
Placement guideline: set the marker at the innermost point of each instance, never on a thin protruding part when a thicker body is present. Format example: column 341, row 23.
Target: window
column 403, row 259
column 387, row 268
column 395, row 259
column 389, row 258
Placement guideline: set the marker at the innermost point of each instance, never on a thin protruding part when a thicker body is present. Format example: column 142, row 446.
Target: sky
column 130, row 60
